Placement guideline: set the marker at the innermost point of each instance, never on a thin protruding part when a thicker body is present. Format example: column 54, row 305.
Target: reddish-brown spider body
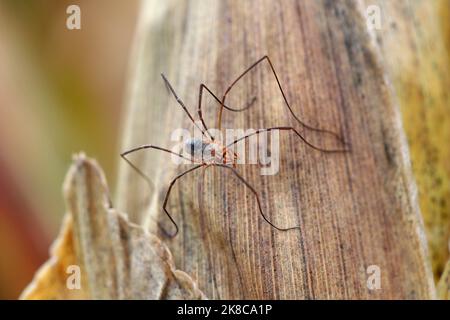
column 209, row 152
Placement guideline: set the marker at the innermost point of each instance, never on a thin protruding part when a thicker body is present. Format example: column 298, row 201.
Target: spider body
column 209, row 152
column 206, row 152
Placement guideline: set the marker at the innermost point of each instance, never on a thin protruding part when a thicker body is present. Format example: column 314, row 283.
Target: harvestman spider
column 219, row 155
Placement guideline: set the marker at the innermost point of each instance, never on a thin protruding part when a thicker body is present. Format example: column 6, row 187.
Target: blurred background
column 61, row 91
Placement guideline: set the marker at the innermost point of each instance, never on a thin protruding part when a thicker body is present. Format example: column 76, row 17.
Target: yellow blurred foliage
column 415, row 44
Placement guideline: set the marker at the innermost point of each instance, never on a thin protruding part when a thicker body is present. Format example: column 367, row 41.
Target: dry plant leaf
column 117, row 259
column 413, row 39
column 50, row 280
column 355, row 210
column 443, row 286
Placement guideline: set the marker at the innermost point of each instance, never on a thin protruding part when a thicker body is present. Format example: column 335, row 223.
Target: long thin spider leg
column 200, row 114
column 140, row 172
column 284, row 98
column 289, row 129
column 166, row 198
column 147, row 146
column 248, row 185
column 181, row 103
column 200, row 184
column 200, row 191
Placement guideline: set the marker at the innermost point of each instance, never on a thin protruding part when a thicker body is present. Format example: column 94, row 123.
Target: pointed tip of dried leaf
column 117, row 259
